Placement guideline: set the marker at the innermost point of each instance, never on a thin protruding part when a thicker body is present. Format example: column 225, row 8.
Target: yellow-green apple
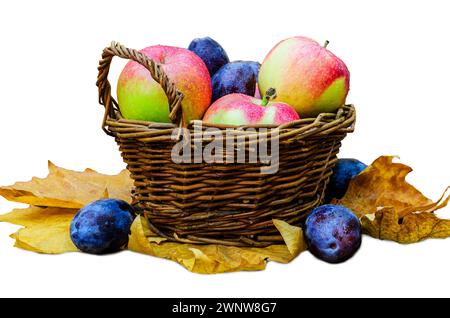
column 239, row 109
column 141, row 97
column 306, row 75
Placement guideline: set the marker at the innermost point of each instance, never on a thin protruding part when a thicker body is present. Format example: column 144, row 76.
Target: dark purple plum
column 211, row 52
column 255, row 67
column 235, row 77
column 344, row 170
column 102, row 226
column 333, row 233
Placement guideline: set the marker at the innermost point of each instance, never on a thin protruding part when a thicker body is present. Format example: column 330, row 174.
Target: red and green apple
column 140, row 97
column 239, row 109
column 306, row 75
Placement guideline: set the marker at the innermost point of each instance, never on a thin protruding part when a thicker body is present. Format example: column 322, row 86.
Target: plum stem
column 271, row 93
column 326, row 44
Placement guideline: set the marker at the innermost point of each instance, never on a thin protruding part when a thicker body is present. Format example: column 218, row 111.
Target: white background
column 397, row 52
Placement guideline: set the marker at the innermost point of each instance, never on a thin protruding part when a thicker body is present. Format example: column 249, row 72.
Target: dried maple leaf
column 69, row 189
column 382, row 184
column 412, row 228
column 46, row 229
column 209, row 259
column 392, row 209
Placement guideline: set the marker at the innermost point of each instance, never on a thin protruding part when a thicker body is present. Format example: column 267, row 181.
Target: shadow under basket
column 224, row 202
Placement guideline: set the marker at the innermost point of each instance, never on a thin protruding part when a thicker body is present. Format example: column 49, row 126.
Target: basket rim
column 342, row 122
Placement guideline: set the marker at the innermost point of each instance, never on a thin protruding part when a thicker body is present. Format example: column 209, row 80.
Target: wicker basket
column 224, row 203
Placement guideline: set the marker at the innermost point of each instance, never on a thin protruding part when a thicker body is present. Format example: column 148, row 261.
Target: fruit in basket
column 235, row 77
column 140, row 97
column 102, row 226
column 256, row 66
column 257, row 92
column 307, row 76
column 211, row 52
column 240, row 109
column 344, row 170
column 333, row 233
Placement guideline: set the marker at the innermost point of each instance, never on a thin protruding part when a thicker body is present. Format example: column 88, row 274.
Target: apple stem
column 271, row 93
column 326, row 44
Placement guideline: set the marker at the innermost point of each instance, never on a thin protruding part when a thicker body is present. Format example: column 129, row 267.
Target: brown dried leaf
column 69, row 189
column 210, row 259
column 392, row 209
column 412, row 228
column 46, row 229
column 382, row 184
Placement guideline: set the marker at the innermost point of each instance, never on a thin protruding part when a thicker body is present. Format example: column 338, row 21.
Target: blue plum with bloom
column 211, row 52
column 102, row 226
column 344, row 171
column 235, row 77
column 333, row 233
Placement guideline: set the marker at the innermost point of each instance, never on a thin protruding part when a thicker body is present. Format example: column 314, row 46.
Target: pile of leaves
column 388, row 206
column 55, row 200
column 392, row 209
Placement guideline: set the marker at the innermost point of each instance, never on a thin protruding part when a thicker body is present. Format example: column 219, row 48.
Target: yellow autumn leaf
column 46, row 239
column 46, row 229
column 69, row 189
column 292, row 236
column 209, row 259
column 64, row 191
column 392, row 209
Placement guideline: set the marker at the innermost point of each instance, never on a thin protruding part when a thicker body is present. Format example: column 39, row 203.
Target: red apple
column 306, row 75
column 240, row 109
column 140, row 97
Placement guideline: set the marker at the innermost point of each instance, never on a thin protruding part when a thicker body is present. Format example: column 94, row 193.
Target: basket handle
column 174, row 96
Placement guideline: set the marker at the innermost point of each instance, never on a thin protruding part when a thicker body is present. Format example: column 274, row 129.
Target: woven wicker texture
column 224, row 203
